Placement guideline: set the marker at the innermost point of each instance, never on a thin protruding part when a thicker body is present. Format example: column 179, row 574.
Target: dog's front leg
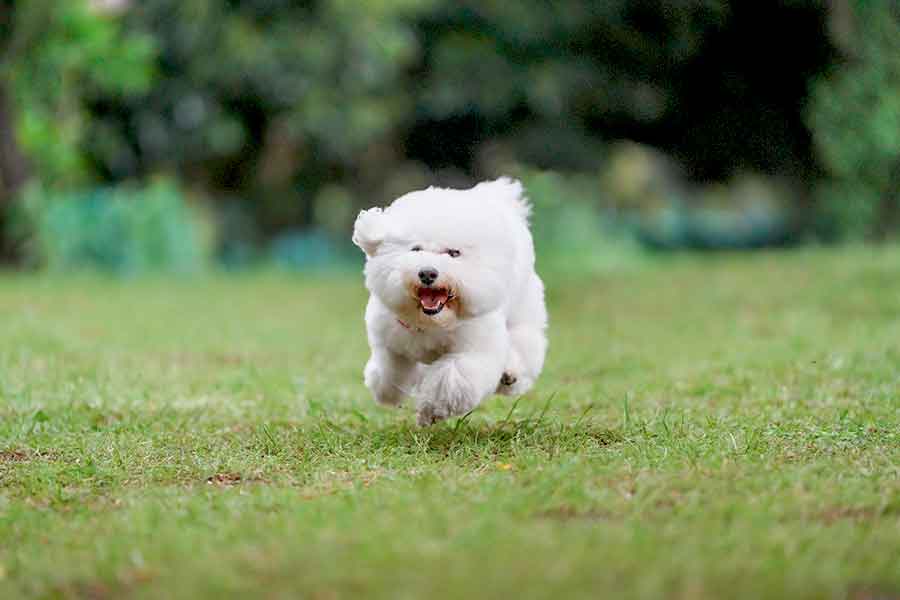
column 461, row 379
column 389, row 376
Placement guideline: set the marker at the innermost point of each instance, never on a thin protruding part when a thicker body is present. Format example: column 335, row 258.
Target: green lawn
column 705, row 428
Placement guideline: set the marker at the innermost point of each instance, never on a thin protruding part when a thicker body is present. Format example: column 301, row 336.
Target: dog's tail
column 511, row 192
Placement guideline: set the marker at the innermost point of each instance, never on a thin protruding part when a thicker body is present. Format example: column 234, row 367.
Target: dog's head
column 440, row 255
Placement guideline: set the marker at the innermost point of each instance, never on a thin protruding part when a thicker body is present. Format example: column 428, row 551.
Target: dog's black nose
column 428, row 275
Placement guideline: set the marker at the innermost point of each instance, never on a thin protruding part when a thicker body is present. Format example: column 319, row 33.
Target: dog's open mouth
column 433, row 299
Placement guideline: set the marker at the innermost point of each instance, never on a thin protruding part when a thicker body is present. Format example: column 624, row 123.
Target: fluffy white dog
column 456, row 310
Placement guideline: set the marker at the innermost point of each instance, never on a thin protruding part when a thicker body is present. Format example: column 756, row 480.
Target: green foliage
column 668, row 211
column 275, row 101
column 120, row 230
column 571, row 233
column 855, row 118
column 323, row 76
column 310, row 250
column 61, row 56
column 496, row 56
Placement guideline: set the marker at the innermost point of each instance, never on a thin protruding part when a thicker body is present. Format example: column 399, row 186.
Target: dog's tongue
column 432, row 298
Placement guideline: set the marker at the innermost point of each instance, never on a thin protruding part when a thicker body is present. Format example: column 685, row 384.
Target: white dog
column 456, row 310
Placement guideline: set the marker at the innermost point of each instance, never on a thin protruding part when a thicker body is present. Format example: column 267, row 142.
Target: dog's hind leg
column 526, row 358
column 528, row 342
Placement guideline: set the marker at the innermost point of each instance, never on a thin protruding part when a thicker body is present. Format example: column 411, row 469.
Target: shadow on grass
column 522, row 433
column 460, row 437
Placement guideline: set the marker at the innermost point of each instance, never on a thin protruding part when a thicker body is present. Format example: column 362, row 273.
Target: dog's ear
column 369, row 230
column 510, row 192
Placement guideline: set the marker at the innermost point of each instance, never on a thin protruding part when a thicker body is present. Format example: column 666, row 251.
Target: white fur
column 451, row 361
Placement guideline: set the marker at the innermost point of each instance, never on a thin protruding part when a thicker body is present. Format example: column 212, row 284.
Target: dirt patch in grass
column 853, row 513
column 14, row 456
column 123, row 586
column 848, row 513
column 232, row 479
column 87, row 591
column 24, row 455
column 225, row 479
column 872, row 593
column 570, row 513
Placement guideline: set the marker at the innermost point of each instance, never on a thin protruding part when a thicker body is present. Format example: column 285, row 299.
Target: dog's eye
column 416, row 249
column 453, row 253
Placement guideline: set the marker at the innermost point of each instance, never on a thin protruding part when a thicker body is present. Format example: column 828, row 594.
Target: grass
column 705, row 427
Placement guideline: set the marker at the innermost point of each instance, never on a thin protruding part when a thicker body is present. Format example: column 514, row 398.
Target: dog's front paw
column 508, row 379
column 513, row 385
column 428, row 414
column 445, row 392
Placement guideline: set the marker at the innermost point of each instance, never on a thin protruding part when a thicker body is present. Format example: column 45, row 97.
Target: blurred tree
column 13, row 165
column 278, row 102
column 855, row 115
column 264, row 99
column 56, row 56
column 716, row 83
column 297, row 109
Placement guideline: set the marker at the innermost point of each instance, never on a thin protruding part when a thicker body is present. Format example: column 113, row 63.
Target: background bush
column 121, row 230
column 59, row 58
column 855, row 115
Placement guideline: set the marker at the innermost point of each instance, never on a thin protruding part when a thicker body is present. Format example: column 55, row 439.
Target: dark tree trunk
column 888, row 225
column 14, row 173
column 13, row 165
column 14, row 168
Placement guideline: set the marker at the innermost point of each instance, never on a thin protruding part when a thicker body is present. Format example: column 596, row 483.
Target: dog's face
column 437, row 256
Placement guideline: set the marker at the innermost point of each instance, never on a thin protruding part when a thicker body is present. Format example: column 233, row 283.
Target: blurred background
column 178, row 135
